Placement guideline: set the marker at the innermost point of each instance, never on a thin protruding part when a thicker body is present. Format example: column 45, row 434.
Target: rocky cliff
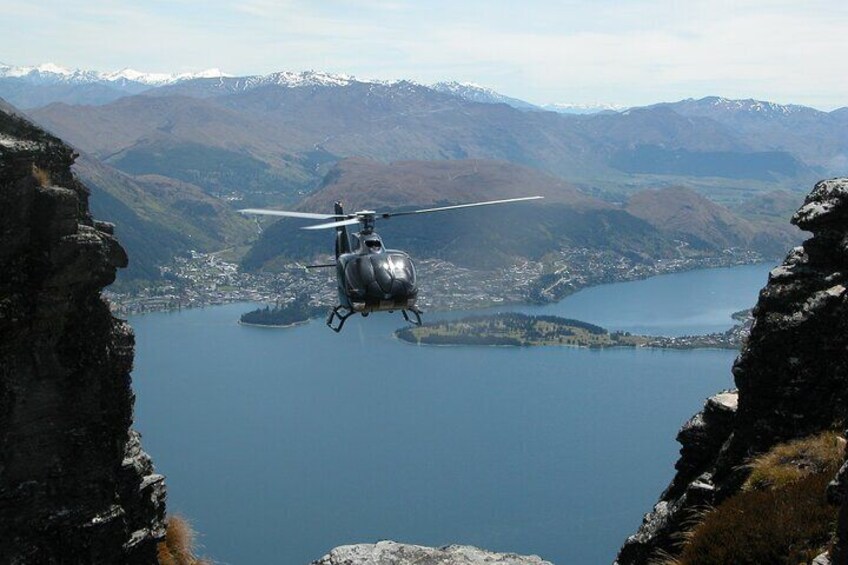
column 75, row 485
column 792, row 381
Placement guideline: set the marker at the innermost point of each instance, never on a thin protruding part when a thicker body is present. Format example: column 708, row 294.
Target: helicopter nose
column 384, row 276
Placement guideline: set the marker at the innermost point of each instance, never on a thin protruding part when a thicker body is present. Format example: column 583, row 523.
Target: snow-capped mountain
column 49, row 73
column 564, row 108
column 214, row 82
column 718, row 104
column 477, row 93
column 205, row 87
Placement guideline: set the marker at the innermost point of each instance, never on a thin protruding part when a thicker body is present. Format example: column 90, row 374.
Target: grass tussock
column 780, row 517
column 41, row 176
column 180, row 544
column 790, row 462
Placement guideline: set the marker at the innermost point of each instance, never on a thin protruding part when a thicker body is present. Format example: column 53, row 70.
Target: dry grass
column 180, row 545
column 790, row 462
column 784, row 526
column 41, row 176
column 781, row 516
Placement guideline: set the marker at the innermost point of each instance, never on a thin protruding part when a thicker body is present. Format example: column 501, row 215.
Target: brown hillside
column 361, row 183
column 683, row 211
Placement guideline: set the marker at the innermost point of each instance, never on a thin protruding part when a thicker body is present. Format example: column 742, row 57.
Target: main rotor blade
column 286, row 213
column 469, row 205
column 332, row 225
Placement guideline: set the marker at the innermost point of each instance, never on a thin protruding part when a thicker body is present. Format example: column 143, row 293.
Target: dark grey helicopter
column 370, row 277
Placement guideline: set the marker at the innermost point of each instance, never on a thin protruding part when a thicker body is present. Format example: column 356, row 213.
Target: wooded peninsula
column 514, row 329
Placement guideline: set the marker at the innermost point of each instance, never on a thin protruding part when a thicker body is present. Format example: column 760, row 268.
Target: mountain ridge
column 567, row 218
column 299, row 132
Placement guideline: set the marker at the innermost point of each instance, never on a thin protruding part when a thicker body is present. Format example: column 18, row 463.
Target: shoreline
column 572, row 345
column 527, row 301
column 518, row 329
column 275, row 326
column 120, row 309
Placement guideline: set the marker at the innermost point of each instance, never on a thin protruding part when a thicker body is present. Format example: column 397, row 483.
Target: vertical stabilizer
column 342, row 239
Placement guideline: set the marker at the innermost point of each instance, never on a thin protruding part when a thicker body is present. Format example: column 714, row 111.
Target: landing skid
column 339, row 315
column 417, row 312
column 342, row 318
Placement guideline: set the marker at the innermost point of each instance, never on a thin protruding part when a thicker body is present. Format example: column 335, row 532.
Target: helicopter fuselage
column 372, row 278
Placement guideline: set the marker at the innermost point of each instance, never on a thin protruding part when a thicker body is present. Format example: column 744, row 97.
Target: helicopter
column 370, row 277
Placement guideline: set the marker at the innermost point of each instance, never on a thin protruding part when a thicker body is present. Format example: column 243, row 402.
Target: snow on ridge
column 137, row 76
column 50, row 72
column 53, row 69
column 54, row 74
column 454, row 86
column 295, row 79
column 571, row 108
column 214, row 72
column 159, row 79
column 478, row 93
column 755, row 106
column 44, row 68
column 298, row 79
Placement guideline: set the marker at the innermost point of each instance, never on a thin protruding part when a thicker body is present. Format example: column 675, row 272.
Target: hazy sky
column 629, row 52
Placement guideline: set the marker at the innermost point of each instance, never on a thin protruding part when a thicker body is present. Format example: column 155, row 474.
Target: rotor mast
column 368, row 218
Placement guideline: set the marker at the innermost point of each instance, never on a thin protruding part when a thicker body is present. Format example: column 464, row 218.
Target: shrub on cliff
column 789, row 462
column 179, row 545
column 781, row 517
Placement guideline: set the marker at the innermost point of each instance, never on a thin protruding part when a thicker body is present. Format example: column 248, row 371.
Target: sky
column 624, row 52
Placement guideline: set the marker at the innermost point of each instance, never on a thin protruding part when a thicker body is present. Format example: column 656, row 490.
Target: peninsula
column 282, row 316
column 514, row 329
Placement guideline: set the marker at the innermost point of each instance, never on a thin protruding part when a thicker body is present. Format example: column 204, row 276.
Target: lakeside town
column 204, row 279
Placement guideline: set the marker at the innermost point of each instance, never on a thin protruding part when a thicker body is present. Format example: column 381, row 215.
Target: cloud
column 625, row 51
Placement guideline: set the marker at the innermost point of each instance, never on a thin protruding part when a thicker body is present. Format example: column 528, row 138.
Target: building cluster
column 572, row 269
column 204, row 279
column 733, row 338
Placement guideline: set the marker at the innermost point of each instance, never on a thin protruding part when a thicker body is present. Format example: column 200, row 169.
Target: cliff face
column 792, row 379
column 75, row 486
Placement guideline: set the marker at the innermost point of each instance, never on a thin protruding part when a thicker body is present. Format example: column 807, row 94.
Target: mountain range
column 285, row 138
column 653, row 224
column 312, row 112
column 16, row 82
column 195, row 147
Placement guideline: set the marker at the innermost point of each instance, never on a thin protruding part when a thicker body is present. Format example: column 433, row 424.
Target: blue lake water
column 280, row 444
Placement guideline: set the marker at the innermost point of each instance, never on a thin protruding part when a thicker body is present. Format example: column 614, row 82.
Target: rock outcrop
column 393, row 553
column 792, row 381
column 75, row 485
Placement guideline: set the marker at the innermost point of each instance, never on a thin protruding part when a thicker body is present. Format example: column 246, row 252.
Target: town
column 204, row 279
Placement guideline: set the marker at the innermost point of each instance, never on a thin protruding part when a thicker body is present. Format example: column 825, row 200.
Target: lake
column 279, row 444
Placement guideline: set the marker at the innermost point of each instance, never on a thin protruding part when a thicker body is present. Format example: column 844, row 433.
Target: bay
column 279, row 444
